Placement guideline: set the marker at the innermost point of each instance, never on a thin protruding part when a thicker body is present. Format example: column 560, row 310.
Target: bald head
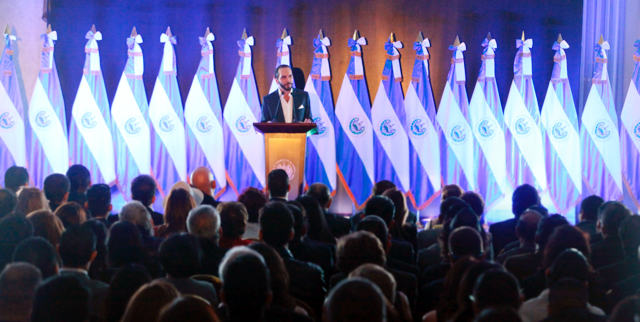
column 202, row 179
column 528, row 225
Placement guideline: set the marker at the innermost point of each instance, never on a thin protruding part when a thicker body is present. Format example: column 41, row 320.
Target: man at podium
column 287, row 104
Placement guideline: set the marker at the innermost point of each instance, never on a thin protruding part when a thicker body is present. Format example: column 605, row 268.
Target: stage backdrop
column 440, row 21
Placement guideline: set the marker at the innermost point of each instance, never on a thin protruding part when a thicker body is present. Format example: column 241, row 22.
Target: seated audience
column 136, row 213
column 475, row 201
column 99, row 203
column 445, row 303
column 609, row 251
column 40, row 253
column 29, row 200
column 305, row 249
column 99, row 267
column 126, row 247
column 278, row 185
column 146, row 303
column 46, row 225
column 339, row 226
column 188, row 309
column 71, row 213
column 18, row 283
column 8, row 202
column 204, row 222
column 318, row 229
column 403, row 229
column 61, row 299
column 15, row 178
column 568, row 302
column 627, row 310
column 252, row 199
column 465, row 312
column 356, row 299
column 383, row 207
column 202, row 179
column 80, row 180
column 143, row 189
column 504, row 232
column 503, row 314
column 429, row 248
column 397, row 304
column 377, row 190
column 233, row 221
column 181, row 257
column 526, row 231
column 629, row 266
column 177, row 207
column 123, row 285
column 56, row 190
column 495, row 289
column 13, row 230
column 588, row 217
column 451, row 190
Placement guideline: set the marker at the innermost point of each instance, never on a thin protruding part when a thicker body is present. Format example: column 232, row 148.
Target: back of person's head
column 18, row 283
column 77, row 246
column 245, row 285
column 179, row 203
column 382, row 186
column 71, row 213
column 321, row 193
column 360, row 247
column 61, row 299
column 253, row 199
column 234, row 253
column 610, row 215
column 126, row 281
column 46, row 225
column 143, row 189
column 524, row 196
column 475, row 201
column 278, row 276
column 99, row 200
column 377, row 227
column 278, row 183
column 465, row 241
column 79, row 177
column 356, row 300
column 496, row 288
column 56, row 187
column 567, row 293
column 571, row 263
column 188, row 308
column 445, row 205
column 8, row 202
column 627, row 310
column 124, row 244
column 382, row 207
column 299, row 219
column 16, row 177
column 539, row 209
column 502, row 314
column 13, row 230
column 563, row 238
column 629, row 235
column 30, row 199
column 465, row 217
column 451, row 190
column 181, row 255
column 233, row 219
column 399, row 201
column 145, row 305
column 589, row 207
column 468, row 283
column 378, row 276
column 527, row 225
column 38, row 252
column 318, row 228
column 448, row 306
column 136, row 213
column 546, row 227
column 204, row 222
column 276, row 224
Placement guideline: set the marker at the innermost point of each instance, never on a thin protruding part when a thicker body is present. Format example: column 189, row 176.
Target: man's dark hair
column 79, row 177
column 99, row 199
column 356, row 299
column 253, row 199
column 376, row 226
column 524, row 196
column 15, row 177
column 233, row 219
column 382, row 186
column 465, row 241
column 629, row 235
column 382, row 207
column 475, row 201
column 563, row 238
column 278, row 183
column 8, row 202
column 589, row 207
column 449, row 207
column 526, row 228
column 18, row 283
column 38, row 252
column 321, row 193
column 76, row 246
column 181, row 255
column 125, row 245
column 299, row 220
column 246, row 286
column 55, row 187
column 143, row 189
column 496, row 288
column 567, row 293
column 546, row 227
column 61, row 299
column 451, row 190
column 611, row 214
column 571, row 263
column 276, row 224
column 501, row 314
column 13, row 230
column 276, row 72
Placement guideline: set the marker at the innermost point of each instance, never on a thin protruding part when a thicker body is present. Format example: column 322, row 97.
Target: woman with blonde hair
column 145, row 305
column 71, row 213
column 46, row 225
column 29, row 200
column 179, row 203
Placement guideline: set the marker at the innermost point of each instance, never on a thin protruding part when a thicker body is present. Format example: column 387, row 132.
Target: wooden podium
column 285, row 146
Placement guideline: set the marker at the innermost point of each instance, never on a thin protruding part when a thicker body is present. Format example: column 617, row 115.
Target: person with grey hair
column 136, row 213
column 234, row 253
column 18, row 283
column 204, row 222
column 355, row 300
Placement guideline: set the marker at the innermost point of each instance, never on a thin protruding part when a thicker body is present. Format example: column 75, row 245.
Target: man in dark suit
column 306, row 250
column 338, row 225
column 383, row 207
column 589, row 217
column 143, row 189
column 630, row 266
column 15, row 178
column 80, row 179
column 99, row 203
column 287, row 104
column 526, row 232
column 278, row 185
column 202, row 179
column 504, row 232
column 204, row 222
column 136, row 213
column 609, row 251
column 56, row 190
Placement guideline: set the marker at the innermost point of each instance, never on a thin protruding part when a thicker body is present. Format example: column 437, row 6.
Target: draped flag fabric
column 630, row 135
column 12, row 126
column 321, row 148
column 284, row 57
column 354, row 132
column 90, row 140
column 169, row 155
column 130, row 113
column 560, row 136
column 391, row 144
column 599, row 134
column 456, row 138
column 424, row 148
column 203, row 116
column 487, row 123
column 525, row 153
column 244, row 157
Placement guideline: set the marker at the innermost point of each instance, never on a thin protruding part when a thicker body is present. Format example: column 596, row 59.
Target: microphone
column 277, row 106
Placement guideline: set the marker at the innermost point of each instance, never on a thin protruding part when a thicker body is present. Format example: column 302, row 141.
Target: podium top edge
column 308, row 128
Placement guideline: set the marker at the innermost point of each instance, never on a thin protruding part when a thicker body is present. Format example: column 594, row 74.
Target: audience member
column 124, row 284
column 145, row 305
column 204, row 222
column 245, row 286
column 504, row 232
column 627, row 310
column 8, row 202
column 80, row 180
column 466, row 311
column 383, row 207
column 451, row 190
column 609, row 251
column 377, row 190
column 40, row 253
column 445, row 302
column 233, row 221
column 177, row 206
column 71, row 213
column 404, row 228
column 356, row 300
column 13, row 230
column 99, row 267
column 46, row 225
column 502, row 314
column 630, row 265
column 99, row 202
column 494, row 289
column 588, row 217
column 56, row 189
column 526, row 231
column 143, row 189
column 126, row 247
column 568, row 302
column 202, row 179
column 278, row 185
column 397, row 304
column 181, row 257
column 136, row 213
column 305, row 249
column 339, row 226
column 18, row 283
column 318, row 228
column 16, row 178
column 188, row 309
column 475, row 201
column 61, row 299
column 29, row 200
column 253, row 199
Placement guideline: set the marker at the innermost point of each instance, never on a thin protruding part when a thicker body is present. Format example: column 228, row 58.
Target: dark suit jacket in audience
column 619, row 271
column 503, row 232
column 511, row 246
column 402, row 251
column 527, row 248
column 272, row 314
column 575, row 315
column 339, row 226
column 209, row 200
column 435, row 272
column 428, row 237
column 404, row 267
column 315, row 252
column 78, row 197
column 621, row 290
column 212, row 255
column 306, row 280
column 405, row 283
column 523, row 266
column 429, row 257
column 97, row 288
column 429, row 296
column 158, row 218
column 607, row 252
column 199, row 288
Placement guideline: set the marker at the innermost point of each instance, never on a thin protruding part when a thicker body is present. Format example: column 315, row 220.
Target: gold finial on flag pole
column 134, row 32
column 320, row 34
column 523, row 36
column 284, row 34
column 169, row 32
column 207, row 32
column 601, row 41
column 489, row 36
column 356, row 35
column 456, row 43
column 244, row 34
column 420, row 37
column 560, row 38
column 48, row 29
column 392, row 38
column 93, row 29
